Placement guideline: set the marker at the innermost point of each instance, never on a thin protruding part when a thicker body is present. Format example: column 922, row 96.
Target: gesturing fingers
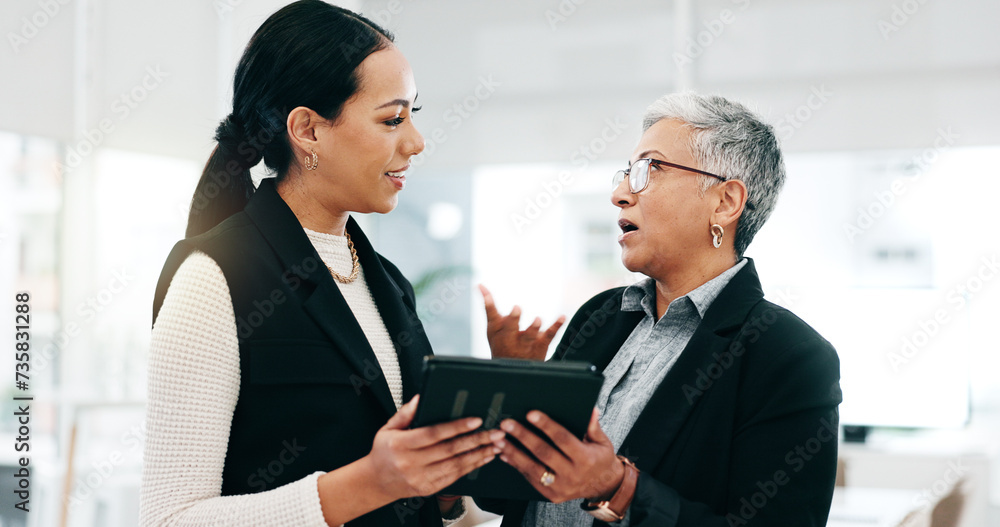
column 496, row 322
column 553, row 329
column 513, row 320
column 491, row 307
column 530, row 333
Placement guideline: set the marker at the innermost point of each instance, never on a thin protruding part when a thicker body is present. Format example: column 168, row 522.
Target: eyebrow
column 646, row 153
column 399, row 102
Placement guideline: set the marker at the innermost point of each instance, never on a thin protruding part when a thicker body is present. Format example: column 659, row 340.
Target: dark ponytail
column 306, row 54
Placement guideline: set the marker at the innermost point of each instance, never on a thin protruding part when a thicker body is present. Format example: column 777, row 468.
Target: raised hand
column 508, row 341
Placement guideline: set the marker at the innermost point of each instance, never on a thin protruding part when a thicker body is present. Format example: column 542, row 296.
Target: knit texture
column 335, row 253
column 194, row 383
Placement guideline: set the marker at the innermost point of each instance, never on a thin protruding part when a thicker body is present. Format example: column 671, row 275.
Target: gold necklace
column 355, row 267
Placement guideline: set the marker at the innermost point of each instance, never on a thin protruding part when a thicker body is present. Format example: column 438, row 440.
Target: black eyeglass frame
column 657, row 162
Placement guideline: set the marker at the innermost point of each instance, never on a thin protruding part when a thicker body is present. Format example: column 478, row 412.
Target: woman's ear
column 301, row 125
column 732, row 196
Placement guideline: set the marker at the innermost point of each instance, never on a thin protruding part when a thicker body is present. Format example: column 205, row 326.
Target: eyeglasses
column 638, row 174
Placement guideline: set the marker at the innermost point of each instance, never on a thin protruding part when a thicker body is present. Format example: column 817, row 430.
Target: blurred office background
column 884, row 238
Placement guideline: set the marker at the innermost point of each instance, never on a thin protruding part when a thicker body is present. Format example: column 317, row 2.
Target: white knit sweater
column 194, row 382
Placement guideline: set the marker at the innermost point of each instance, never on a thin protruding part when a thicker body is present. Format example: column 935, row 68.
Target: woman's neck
column 676, row 283
column 308, row 209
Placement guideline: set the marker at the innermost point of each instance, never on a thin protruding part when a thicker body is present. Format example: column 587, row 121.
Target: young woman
column 283, row 344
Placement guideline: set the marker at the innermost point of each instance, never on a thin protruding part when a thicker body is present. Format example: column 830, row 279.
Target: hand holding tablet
column 495, row 390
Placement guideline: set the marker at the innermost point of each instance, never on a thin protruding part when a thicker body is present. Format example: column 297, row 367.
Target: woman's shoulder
column 236, row 226
column 784, row 358
column 607, row 301
column 197, row 289
column 198, row 264
column 778, row 346
column 234, row 229
column 777, row 323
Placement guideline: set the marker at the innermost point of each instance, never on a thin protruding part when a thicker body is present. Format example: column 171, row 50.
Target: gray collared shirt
column 634, row 374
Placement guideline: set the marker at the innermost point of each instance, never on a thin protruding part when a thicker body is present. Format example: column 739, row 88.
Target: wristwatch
column 613, row 510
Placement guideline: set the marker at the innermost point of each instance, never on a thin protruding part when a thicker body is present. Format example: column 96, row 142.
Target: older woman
column 718, row 407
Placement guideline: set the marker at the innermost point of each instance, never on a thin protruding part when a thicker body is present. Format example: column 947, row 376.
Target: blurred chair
column 946, row 512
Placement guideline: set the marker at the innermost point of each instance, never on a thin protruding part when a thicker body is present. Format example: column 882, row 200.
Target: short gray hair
column 730, row 140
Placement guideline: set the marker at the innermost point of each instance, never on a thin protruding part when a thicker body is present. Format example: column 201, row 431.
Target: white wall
column 92, row 60
column 610, row 59
column 563, row 66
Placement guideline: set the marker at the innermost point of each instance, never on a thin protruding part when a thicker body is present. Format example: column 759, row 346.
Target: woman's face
column 365, row 152
column 665, row 226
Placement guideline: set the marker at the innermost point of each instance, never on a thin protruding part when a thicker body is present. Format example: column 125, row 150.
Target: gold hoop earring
column 311, row 161
column 717, row 234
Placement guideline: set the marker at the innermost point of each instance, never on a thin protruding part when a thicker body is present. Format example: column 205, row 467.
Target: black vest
column 312, row 394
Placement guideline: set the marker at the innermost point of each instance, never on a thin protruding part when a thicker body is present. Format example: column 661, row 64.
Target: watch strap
column 614, row 509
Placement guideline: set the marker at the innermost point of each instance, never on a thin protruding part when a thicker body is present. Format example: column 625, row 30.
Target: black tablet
column 494, row 390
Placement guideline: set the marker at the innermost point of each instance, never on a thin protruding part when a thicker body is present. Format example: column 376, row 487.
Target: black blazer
column 311, row 389
column 743, row 428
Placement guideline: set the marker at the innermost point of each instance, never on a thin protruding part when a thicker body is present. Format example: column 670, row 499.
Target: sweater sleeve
column 194, row 383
